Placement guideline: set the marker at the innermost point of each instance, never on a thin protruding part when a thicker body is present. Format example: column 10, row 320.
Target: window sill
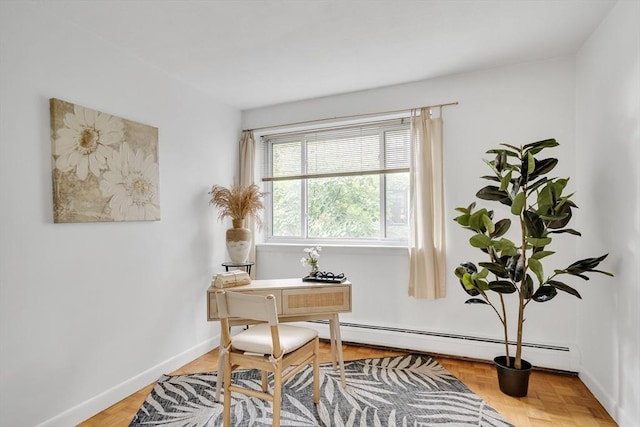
column 334, row 248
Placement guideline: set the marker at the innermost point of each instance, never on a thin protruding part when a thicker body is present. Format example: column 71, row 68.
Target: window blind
column 373, row 148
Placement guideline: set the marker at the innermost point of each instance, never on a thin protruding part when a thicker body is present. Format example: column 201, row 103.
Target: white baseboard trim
column 610, row 404
column 548, row 356
column 89, row 408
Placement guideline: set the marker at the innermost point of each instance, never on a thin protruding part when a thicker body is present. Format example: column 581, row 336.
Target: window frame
column 402, row 123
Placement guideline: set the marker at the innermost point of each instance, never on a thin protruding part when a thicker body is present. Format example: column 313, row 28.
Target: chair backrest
column 255, row 307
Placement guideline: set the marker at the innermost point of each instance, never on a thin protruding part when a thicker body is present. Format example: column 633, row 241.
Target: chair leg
column 265, row 381
column 227, row 393
column 277, row 395
column 316, row 373
column 220, row 374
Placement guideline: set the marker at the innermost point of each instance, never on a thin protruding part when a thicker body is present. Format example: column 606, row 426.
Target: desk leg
column 334, row 326
column 332, row 340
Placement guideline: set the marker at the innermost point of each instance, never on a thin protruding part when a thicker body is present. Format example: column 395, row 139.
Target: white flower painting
column 105, row 168
column 130, row 183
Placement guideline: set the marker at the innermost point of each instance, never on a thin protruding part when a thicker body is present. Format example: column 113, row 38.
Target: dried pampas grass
column 237, row 202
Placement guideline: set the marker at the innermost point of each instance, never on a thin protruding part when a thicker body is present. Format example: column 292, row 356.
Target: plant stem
column 518, row 361
column 521, row 303
column 503, row 318
column 506, row 331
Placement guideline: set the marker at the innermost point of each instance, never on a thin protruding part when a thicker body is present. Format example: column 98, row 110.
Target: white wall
column 608, row 175
column 90, row 313
column 517, row 105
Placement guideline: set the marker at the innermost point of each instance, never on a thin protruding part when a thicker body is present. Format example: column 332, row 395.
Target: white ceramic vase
column 238, row 242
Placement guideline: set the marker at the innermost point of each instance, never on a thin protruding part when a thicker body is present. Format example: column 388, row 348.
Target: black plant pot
column 513, row 382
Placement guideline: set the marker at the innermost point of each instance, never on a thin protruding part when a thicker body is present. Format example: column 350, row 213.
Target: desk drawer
column 316, row 300
column 212, row 306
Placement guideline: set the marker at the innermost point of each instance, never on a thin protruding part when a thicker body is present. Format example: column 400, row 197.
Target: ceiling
column 253, row 53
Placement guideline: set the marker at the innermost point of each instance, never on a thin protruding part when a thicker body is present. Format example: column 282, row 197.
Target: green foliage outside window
column 344, row 207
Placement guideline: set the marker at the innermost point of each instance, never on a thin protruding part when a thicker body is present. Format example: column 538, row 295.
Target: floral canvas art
column 105, row 168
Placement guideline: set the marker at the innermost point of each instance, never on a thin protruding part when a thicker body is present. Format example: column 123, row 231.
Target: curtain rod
column 354, row 116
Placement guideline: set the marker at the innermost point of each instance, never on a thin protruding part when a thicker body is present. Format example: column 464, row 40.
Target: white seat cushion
column 257, row 339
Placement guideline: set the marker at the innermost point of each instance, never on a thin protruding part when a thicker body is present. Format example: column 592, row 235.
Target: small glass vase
column 314, row 271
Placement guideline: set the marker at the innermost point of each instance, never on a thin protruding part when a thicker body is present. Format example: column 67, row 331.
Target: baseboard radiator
column 556, row 357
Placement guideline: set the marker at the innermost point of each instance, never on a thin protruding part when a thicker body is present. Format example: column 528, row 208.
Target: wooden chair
column 267, row 346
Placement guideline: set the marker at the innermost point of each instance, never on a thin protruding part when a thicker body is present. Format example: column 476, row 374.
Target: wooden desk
column 298, row 301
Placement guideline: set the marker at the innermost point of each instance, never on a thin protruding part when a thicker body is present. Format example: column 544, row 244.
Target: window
column 339, row 184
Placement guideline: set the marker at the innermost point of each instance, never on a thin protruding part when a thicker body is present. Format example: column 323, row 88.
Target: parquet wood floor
column 554, row 399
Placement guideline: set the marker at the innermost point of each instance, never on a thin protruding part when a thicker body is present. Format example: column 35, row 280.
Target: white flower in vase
column 311, row 259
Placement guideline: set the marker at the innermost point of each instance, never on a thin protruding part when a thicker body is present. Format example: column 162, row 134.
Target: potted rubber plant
column 516, row 248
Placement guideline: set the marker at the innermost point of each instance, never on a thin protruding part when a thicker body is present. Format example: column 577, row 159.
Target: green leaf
column 482, row 286
column 582, row 276
column 586, row 265
column 550, row 217
column 527, row 287
column 480, row 241
column 475, row 220
column 564, row 287
column 509, row 251
column 491, row 178
column 560, row 184
column 501, row 160
column 539, row 242
column 504, row 182
column 531, row 164
column 464, row 274
column 467, row 281
column 481, row 274
column 501, row 227
column 505, row 246
column 544, row 294
column 538, row 183
column 472, row 291
column 539, row 145
column 475, row 301
column 515, row 268
column 469, row 267
column 496, row 268
column 518, row 204
column 562, row 217
column 566, row 230
column 534, row 224
column 500, row 150
column 536, row 267
column 502, row 286
column 545, row 198
column 488, row 224
column 491, row 192
column 542, row 167
column 513, row 147
column 606, row 273
column 463, row 220
column 524, row 171
column 541, row 254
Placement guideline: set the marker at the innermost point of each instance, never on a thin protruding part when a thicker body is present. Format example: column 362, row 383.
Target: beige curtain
column 427, row 236
column 247, row 177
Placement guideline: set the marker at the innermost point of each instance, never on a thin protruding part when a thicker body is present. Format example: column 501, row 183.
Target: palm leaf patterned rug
column 412, row 390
